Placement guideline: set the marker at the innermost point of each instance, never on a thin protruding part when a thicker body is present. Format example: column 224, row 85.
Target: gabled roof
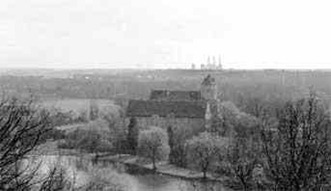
column 176, row 95
column 209, row 80
column 180, row 109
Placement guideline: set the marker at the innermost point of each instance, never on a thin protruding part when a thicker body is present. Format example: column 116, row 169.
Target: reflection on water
column 82, row 170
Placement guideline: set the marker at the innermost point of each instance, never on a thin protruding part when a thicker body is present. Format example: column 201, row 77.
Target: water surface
column 82, row 170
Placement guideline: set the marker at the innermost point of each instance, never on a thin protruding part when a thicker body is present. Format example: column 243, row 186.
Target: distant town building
column 212, row 64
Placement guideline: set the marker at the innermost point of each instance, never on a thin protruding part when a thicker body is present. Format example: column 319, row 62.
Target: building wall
column 190, row 125
column 209, row 92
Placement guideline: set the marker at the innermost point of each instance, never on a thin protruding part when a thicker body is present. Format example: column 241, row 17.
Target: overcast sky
column 165, row 33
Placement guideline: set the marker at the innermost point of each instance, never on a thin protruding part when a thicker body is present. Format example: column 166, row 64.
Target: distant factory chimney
column 219, row 62
column 208, row 61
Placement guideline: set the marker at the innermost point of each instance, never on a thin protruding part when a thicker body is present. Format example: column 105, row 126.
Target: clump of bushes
column 90, row 141
column 53, row 134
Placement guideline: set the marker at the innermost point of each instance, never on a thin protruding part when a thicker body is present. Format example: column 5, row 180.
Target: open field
column 75, row 88
column 80, row 105
column 77, row 104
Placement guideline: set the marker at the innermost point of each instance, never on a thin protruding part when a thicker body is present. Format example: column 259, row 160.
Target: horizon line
column 141, row 69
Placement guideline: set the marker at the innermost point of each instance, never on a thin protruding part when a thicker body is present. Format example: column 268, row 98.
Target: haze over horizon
column 255, row 34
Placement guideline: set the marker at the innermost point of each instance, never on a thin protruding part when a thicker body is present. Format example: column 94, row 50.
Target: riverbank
column 50, row 148
column 140, row 165
column 163, row 168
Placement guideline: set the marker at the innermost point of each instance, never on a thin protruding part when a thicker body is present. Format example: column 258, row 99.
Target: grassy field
column 79, row 105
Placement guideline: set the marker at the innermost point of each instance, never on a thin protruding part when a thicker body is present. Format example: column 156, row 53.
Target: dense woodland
column 236, row 86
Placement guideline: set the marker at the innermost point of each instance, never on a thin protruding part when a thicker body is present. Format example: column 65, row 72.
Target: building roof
column 176, row 95
column 180, row 109
column 209, row 80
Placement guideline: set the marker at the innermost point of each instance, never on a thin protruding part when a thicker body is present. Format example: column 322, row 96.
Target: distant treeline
column 238, row 86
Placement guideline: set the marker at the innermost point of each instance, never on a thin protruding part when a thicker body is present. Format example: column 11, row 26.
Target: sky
column 254, row 34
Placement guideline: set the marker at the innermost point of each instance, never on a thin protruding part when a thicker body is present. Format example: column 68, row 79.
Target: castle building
column 185, row 110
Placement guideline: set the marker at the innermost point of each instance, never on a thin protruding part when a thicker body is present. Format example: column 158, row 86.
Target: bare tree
column 132, row 136
column 21, row 128
column 241, row 158
column 177, row 138
column 204, row 149
column 56, row 180
column 298, row 151
column 153, row 144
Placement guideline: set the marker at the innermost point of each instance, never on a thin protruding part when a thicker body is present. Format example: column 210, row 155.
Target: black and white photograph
column 165, row 95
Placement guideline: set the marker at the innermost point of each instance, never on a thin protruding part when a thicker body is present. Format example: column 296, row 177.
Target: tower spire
column 208, row 61
column 219, row 62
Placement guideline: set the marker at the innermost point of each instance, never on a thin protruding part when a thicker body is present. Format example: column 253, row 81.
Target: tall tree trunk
column 154, row 165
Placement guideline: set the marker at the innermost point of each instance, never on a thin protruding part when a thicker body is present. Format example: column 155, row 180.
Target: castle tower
column 209, row 88
column 208, row 117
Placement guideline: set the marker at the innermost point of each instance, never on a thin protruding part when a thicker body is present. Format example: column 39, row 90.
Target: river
column 83, row 170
